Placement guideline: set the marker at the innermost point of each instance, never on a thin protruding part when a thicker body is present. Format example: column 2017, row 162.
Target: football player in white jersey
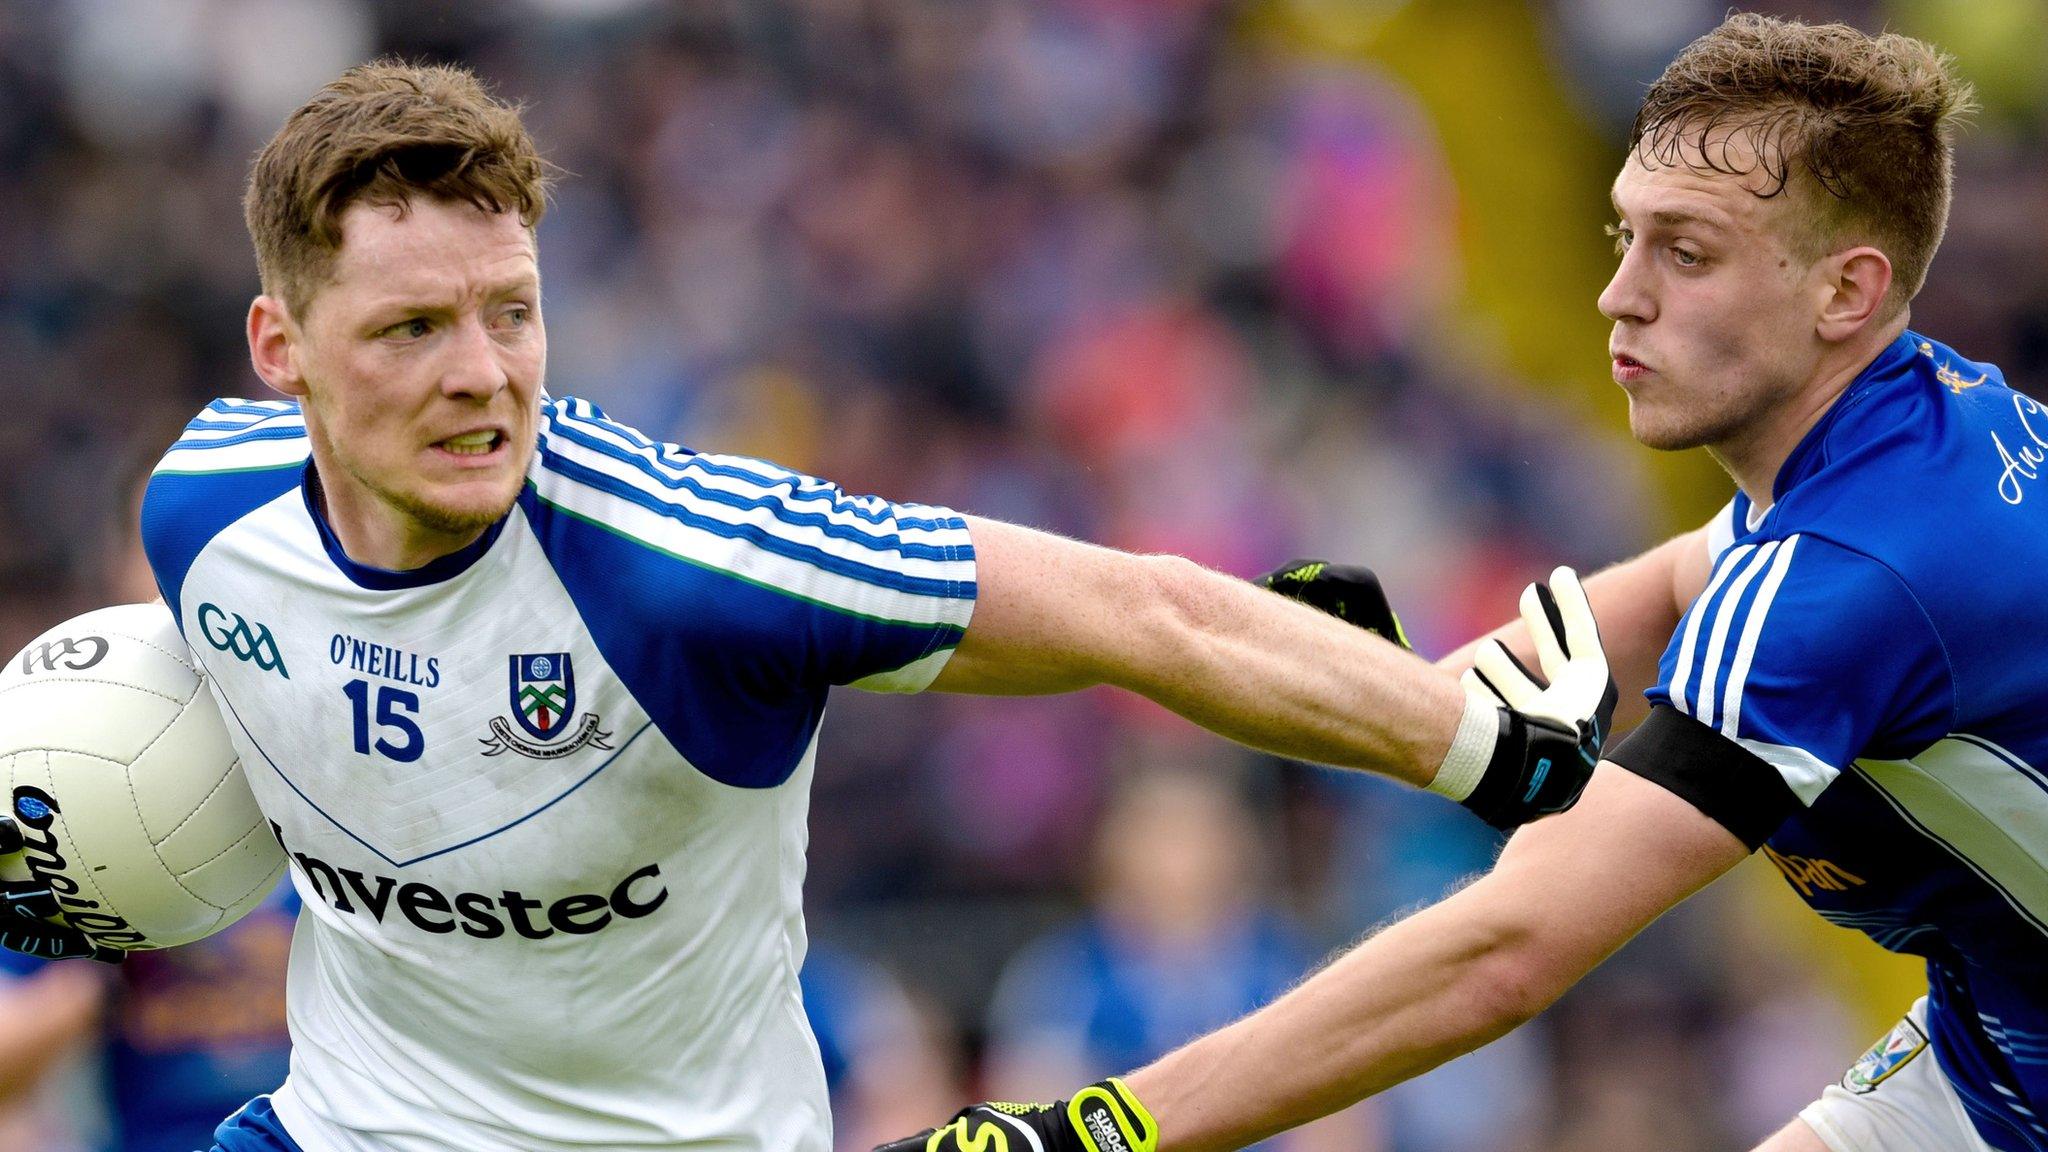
column 531, row 701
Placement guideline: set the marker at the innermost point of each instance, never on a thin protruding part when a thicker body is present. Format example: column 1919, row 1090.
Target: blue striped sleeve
column 1811, row 656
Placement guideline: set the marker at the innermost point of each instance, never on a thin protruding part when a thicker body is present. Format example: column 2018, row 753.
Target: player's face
column 1713, row 304
column 420, row 364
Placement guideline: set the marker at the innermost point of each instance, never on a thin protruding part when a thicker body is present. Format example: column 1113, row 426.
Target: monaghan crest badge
column 543, row 699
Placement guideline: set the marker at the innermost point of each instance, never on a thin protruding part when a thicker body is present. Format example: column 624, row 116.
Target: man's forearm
column 1276, row 675
column 1566, row 893
column 1422, row 992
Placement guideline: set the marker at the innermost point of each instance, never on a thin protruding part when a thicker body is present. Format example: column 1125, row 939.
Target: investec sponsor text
column 486, row 916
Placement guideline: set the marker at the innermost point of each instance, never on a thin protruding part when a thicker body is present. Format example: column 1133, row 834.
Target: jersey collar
column 1896, row 363
column 385, row 579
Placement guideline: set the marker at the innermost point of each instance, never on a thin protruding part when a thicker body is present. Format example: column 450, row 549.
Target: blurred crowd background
column 1237, row 279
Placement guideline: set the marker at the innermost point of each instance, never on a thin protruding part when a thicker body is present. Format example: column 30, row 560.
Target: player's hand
column 1348, row 592
column 1551, row 734
column 1103, row 1117
column 26, row 905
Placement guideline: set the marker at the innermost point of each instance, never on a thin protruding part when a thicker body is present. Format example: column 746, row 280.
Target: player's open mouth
column 1627, row 368
column 481, row 443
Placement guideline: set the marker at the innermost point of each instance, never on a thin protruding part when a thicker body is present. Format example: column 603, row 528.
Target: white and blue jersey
column 545, row 798
column 1862, row 690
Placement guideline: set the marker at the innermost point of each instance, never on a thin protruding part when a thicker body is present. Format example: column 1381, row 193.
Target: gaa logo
column 251, row 643
column 67, row 653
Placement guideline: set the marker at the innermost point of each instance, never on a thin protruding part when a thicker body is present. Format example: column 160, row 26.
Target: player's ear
column 1856, row 280
column 273, row 351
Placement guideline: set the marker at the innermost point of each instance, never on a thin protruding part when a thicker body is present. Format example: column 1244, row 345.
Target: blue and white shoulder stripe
column 758, row 522
column 1717, row 650
column 238, row 436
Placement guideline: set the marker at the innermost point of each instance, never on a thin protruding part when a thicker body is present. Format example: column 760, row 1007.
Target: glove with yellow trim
column 1349, row 592
column 1103, row 1117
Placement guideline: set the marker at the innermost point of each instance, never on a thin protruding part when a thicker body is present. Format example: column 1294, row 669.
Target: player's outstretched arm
column 1638, row 603
column 1567, row 892
column 1054, row 614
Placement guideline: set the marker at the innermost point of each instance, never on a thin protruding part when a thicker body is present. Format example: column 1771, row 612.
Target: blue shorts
column 253, row 1129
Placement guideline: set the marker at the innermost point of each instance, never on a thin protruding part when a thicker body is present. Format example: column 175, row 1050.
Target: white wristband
column 1471, row 749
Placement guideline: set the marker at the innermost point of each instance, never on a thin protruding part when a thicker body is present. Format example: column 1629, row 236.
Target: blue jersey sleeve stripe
column 650, row 457
column 761, row 474
column 228, row 406
column 1730, row 611
column 1682, row 674
column 205, row 425
column 759, row 537
column 944, row 634
column 1752, row 630
column 794, row 484
column 258, row 432
column 778, row 506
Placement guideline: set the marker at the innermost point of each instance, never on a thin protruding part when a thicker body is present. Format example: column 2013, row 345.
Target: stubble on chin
column 453, row 520
column 1665, row 430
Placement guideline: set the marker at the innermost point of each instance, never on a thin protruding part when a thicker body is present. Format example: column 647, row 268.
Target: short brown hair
column 1868, row 121
column 383, row 133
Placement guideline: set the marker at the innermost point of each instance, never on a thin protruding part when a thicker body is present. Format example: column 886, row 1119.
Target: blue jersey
column 1875, row 642
column 545, row 798
column 191, row 1033
column 196, row 1031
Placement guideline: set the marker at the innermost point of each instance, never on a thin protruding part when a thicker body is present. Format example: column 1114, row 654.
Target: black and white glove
column 25, row 910
column 1349, row 592
column 1525, row 748
column 1103, row 1117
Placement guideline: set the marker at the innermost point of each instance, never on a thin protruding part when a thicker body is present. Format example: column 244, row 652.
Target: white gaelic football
column 131, row 800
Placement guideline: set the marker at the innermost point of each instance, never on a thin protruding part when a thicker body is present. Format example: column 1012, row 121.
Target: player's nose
column 1627, row 295
column 475, row 368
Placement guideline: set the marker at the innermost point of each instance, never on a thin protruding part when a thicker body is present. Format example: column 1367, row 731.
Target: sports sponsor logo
column 1885, row 1057
column 1810, row 873
column 543, row 697
column 69, row 653
column 374, row 659
column 485, row 916
column 1102, row 1126
column 36, row 812
column 251, row 643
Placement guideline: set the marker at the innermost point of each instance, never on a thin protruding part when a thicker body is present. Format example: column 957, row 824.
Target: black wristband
column 1537, row 768
column 1731, row 785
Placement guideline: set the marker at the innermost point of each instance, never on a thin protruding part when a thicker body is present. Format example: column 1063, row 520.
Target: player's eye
column 1685, row 258
column 515, row 317
column 412, row 329
column 1622, row 238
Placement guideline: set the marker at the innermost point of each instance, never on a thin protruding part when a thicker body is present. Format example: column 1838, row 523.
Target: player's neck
column 376, row 535
column 1754, row 458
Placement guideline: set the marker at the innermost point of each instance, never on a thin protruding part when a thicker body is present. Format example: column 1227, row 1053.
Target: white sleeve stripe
column 1712, row 621
column 661, row 472
column 668, row 462
column 1803, row 772
column 748, row 561
column 189, row 458
column 1681, row 677
column 876, row 522
column 913, row 552
column 1721, row 532
column 1752, row 628
column 1725, row 615
column 201, row 431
